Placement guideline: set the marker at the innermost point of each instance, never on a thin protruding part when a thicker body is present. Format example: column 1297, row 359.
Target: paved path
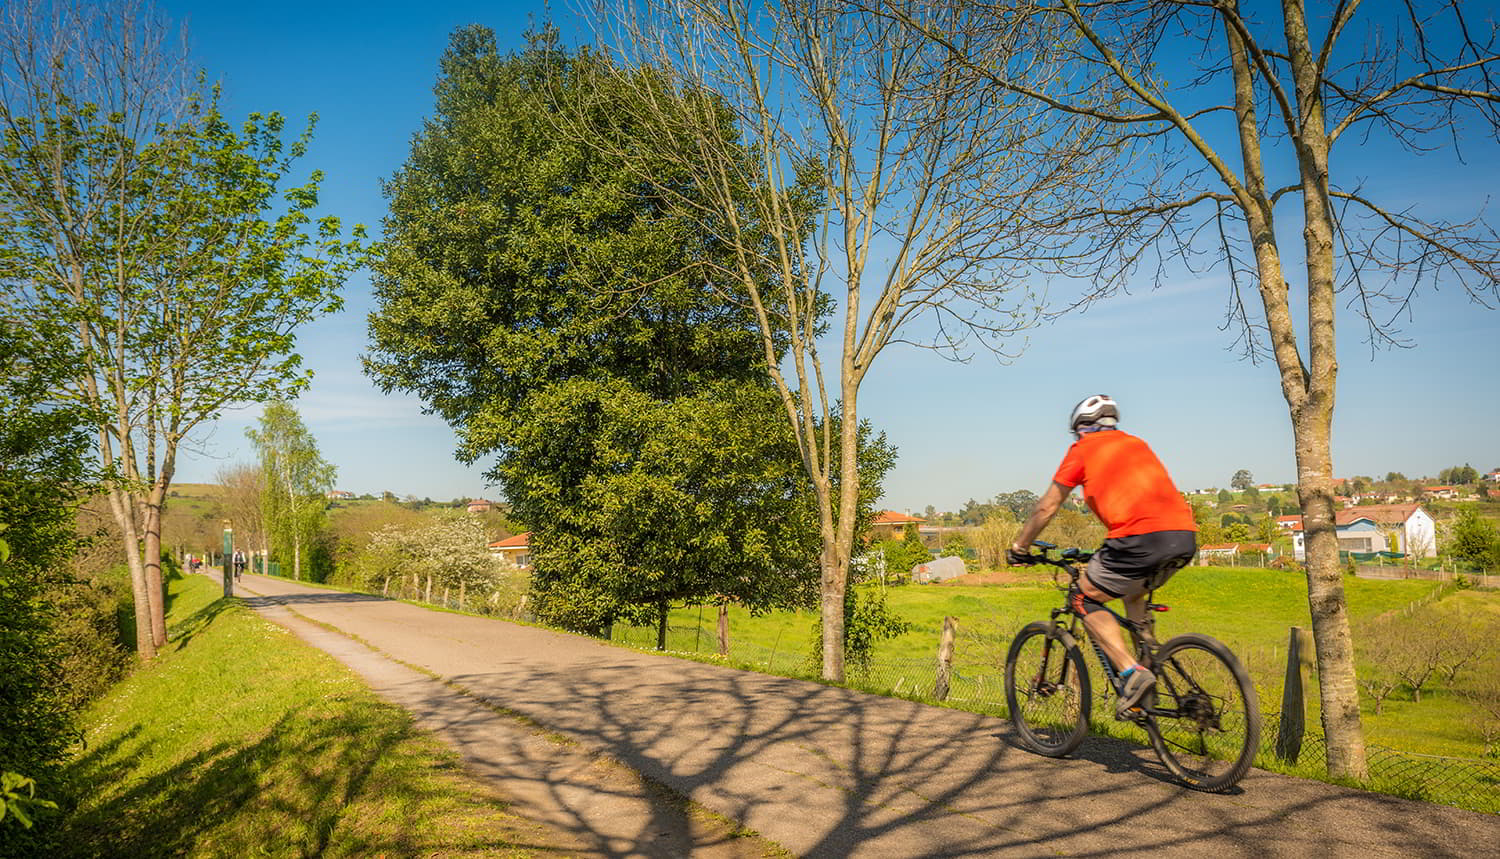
column 820, row 771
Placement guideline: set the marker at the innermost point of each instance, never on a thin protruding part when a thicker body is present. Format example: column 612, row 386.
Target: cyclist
column 1151, row 530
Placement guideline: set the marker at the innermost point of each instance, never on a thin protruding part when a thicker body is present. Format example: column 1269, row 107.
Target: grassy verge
column 241, row 740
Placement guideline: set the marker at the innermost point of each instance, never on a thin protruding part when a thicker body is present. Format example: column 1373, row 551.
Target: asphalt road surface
column 594, row 740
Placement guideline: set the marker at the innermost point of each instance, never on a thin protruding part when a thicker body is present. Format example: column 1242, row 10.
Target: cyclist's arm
column 1051, row 501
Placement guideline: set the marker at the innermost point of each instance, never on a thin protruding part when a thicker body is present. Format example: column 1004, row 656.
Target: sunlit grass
column 242, row 740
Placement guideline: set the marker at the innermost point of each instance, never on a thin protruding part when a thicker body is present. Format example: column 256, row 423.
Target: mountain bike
column 1202, row 716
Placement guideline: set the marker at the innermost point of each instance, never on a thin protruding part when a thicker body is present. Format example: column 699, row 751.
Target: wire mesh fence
column 977, row 683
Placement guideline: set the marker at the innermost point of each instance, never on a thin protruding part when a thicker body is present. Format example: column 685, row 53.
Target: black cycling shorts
column 1126, row 566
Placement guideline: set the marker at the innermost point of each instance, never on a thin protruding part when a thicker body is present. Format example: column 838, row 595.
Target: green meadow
column 1250, row 609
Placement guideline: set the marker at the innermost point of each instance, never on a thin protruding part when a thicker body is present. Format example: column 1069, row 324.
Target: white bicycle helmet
column 1098, row 409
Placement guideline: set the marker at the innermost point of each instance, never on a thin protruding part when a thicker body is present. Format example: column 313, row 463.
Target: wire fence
column 977, row 683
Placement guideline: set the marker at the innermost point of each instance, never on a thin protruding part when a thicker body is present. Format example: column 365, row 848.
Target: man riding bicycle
column 1151, row 530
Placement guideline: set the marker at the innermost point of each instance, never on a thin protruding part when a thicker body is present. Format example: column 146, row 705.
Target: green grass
column 1249, row 609
column 242, row 740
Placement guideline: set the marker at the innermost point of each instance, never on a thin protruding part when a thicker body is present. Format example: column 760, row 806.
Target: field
column 1251, row 610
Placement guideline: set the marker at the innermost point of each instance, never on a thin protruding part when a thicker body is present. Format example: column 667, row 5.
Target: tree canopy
column 543, row 300
column 165, row 252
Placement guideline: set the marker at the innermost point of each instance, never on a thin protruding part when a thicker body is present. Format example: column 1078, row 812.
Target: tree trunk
column 661, row 625
column 120, row 505
column 153, row 505
column 832, row 609
column 1312, row 421
column 297, row 555
column 723, row 629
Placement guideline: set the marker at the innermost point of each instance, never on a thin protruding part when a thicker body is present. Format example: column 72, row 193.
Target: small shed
column 940, row 570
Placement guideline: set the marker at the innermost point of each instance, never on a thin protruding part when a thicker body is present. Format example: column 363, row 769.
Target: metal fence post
column 1299, row 654
column 945, row 658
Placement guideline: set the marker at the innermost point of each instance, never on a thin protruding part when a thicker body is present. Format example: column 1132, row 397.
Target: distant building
column 1367, row 529
column 890, row 525
column 479, row 505
column 515, row 549
column 339, row 495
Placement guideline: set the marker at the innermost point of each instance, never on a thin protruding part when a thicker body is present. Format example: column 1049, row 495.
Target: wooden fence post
column 1299, row 657
column 945, row 659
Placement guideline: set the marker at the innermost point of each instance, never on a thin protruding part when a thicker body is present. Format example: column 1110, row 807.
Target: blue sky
column 963, row 430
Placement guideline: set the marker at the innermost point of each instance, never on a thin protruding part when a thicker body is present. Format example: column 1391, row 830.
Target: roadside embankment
column 241, row 740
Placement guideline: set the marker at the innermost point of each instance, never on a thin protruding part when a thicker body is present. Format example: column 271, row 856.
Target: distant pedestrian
column 239, row 563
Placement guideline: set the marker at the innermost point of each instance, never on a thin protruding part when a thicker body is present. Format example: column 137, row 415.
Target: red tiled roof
column 1380, row 514
column 891, row 517
column 520, row 541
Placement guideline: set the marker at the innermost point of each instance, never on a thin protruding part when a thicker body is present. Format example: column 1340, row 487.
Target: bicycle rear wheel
column 1047, row 689
column 1205, row 722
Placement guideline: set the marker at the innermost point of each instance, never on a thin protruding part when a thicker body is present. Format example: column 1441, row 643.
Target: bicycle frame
column 1142, row 635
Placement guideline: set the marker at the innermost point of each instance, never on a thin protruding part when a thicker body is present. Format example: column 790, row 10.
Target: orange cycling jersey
column 1125, row 485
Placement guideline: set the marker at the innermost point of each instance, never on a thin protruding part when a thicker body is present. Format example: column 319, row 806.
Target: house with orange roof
column 1368, row 529
column 890, row 525
column 515, row 549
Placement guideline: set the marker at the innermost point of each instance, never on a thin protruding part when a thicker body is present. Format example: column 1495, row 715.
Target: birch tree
column 894, row 200
column 1226, row 110
column 153, row 243
column 295, row 479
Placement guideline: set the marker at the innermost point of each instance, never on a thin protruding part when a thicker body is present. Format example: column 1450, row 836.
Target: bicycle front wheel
column 1047, row 689
column 1205, row 723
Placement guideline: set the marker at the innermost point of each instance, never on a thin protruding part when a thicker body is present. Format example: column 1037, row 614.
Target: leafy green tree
column 1472, row 539
column 43, row 474
column 551, row 306
column 975, row 512
column 1458, row 475
column 1020, row 503
column 1266, row 530
column 955, row 547
column 296, row 480
column 1241, row 480
column 1225, row 496
column 155, row 244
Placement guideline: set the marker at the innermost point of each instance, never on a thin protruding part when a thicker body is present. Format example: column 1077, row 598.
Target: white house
column 1364, row 529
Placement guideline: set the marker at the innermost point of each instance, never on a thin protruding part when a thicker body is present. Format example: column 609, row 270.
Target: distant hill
column 197, row 490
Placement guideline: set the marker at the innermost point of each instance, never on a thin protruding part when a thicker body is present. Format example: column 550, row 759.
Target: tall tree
column 295, row 479
column 553, row 309
column 155, row 242
column 1241, row 480
column 1228, row 110
column 244, row 488
column 886, row 189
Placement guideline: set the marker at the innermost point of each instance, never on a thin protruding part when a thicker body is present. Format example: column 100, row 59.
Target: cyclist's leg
column 1102, row 625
